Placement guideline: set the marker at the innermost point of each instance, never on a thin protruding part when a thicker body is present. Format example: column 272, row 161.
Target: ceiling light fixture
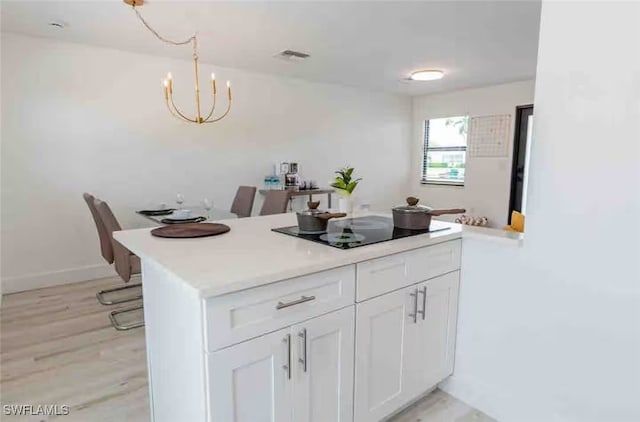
column 168, row 82
column 58, row 24
column 426, row 75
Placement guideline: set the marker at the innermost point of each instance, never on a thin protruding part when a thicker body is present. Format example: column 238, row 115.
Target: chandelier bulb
column 213, row 76
column 169, row 76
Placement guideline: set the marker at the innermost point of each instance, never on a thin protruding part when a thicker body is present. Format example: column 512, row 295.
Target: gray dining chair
column 275, row 202
column 106, row 249
column 243, row 201
column 125, row 262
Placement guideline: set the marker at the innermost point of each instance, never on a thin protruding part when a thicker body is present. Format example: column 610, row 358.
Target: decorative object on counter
column 472, row 221
column 308, row 185
column 292, row 179
column 189, row 231
column 417, row 217
column 344, row 184
column 272, row 182
column 313, row 220
column 517, row 223
column 168, row 82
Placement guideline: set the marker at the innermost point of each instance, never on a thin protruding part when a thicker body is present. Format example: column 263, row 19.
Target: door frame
column 514, row 158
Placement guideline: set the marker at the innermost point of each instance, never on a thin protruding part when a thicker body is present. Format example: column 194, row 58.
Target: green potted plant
column 345, row 184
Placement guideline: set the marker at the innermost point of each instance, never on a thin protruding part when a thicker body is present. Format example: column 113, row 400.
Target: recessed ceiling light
column 426, row 75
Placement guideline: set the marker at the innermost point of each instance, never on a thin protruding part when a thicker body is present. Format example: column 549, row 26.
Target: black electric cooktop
column 351, row 233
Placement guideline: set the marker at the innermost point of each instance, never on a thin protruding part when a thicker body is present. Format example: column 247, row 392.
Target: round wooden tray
column 190, row 230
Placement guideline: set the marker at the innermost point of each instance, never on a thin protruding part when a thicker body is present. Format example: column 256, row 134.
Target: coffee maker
column 291, row 178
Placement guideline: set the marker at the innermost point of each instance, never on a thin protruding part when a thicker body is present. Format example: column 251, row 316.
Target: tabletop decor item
column 345, row 184
column 189, row 231
column 183, row 220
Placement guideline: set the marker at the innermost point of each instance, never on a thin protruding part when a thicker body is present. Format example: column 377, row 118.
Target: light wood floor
column 57, row 346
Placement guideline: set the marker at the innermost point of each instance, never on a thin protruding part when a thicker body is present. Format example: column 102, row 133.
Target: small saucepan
column 417, row 217
column 314, row 220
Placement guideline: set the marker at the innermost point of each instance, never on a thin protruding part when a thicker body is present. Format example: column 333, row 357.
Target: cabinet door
column 323, row 368
column 431, row 344
column 381, row 331
column 249, row 382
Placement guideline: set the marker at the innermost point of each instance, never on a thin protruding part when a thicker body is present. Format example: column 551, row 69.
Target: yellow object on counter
column 517, row 223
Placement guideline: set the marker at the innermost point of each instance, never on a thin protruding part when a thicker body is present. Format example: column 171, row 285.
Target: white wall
column 551, row 331
column 78, row 118
column 487, row 180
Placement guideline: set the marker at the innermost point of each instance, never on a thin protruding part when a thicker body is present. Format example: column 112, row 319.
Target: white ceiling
column 367, row 44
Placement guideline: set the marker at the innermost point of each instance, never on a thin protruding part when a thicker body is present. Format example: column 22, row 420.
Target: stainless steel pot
column 314, row 220
column 417, row 217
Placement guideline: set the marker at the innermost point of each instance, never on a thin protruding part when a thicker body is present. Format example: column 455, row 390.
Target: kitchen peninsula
column 255, row 325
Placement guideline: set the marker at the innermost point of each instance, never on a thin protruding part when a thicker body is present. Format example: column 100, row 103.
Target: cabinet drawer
column 243, row 315
column 378, row 276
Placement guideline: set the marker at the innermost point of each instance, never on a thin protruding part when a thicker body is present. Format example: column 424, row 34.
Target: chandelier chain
column 160, row 37
column 168, row 82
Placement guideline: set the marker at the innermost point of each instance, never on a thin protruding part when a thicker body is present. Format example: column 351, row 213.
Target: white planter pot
column 345, row 204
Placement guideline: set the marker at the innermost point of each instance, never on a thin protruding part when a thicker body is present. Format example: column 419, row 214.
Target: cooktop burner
column 360, row 231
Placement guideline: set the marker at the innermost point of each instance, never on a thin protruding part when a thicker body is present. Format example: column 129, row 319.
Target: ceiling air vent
column 292, row 56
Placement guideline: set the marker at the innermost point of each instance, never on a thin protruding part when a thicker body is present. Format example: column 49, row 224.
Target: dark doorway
column 518, row 168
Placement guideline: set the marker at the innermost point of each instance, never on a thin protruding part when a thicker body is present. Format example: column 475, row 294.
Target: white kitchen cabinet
column 323, row 373
column 381, row 335
column 249, row 382
column 303, row 373
column 431, row 340
column 404, row 345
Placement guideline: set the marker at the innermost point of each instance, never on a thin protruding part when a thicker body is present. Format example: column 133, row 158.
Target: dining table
column 212, row 214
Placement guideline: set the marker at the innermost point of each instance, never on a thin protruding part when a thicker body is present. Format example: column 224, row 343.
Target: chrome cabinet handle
column 287, row 366
column 303, row 299
column 303, row 360
column 414, row 315
column 423, row 292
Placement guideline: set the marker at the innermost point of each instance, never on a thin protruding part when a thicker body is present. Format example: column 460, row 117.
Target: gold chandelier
column 168, row 82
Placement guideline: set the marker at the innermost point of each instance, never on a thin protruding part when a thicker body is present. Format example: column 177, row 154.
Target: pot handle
column 329, row 215
column 451, row 211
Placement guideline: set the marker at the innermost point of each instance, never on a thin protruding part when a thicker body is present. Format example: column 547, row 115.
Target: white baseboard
column 55, row 278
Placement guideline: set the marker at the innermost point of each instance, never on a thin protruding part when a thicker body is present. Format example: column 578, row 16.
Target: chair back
column 243, row 202
column 122, row 256
column 275, row 202
column 105, row 241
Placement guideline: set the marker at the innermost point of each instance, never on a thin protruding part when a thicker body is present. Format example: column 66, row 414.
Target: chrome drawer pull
column 303, row 299
column 287, row 366
column 414, row 315
column 303, row 337
column 423, row 292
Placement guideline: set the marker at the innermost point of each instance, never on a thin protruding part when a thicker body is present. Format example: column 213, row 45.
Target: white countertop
column 251, row 255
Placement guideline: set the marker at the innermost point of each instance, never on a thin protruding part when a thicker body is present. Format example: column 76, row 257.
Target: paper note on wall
column 489, row 135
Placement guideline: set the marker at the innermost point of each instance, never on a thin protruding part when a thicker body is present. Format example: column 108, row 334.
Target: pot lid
column 313, row 209
column 412, row 206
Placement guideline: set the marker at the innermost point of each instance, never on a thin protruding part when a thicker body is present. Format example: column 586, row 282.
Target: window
column 445, row 150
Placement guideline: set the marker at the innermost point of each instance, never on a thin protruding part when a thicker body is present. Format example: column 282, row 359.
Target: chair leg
column 124, row 327
column 102, row 300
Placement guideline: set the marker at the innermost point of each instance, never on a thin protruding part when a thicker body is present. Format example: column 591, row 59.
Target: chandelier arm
column 221, row 116
column 213, row 107
column 176, row 113
column 177, row 110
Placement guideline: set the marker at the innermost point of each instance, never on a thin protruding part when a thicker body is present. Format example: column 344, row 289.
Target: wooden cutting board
column 190, row 230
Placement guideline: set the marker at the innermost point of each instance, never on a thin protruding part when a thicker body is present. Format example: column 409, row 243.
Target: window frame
column 426, row 149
